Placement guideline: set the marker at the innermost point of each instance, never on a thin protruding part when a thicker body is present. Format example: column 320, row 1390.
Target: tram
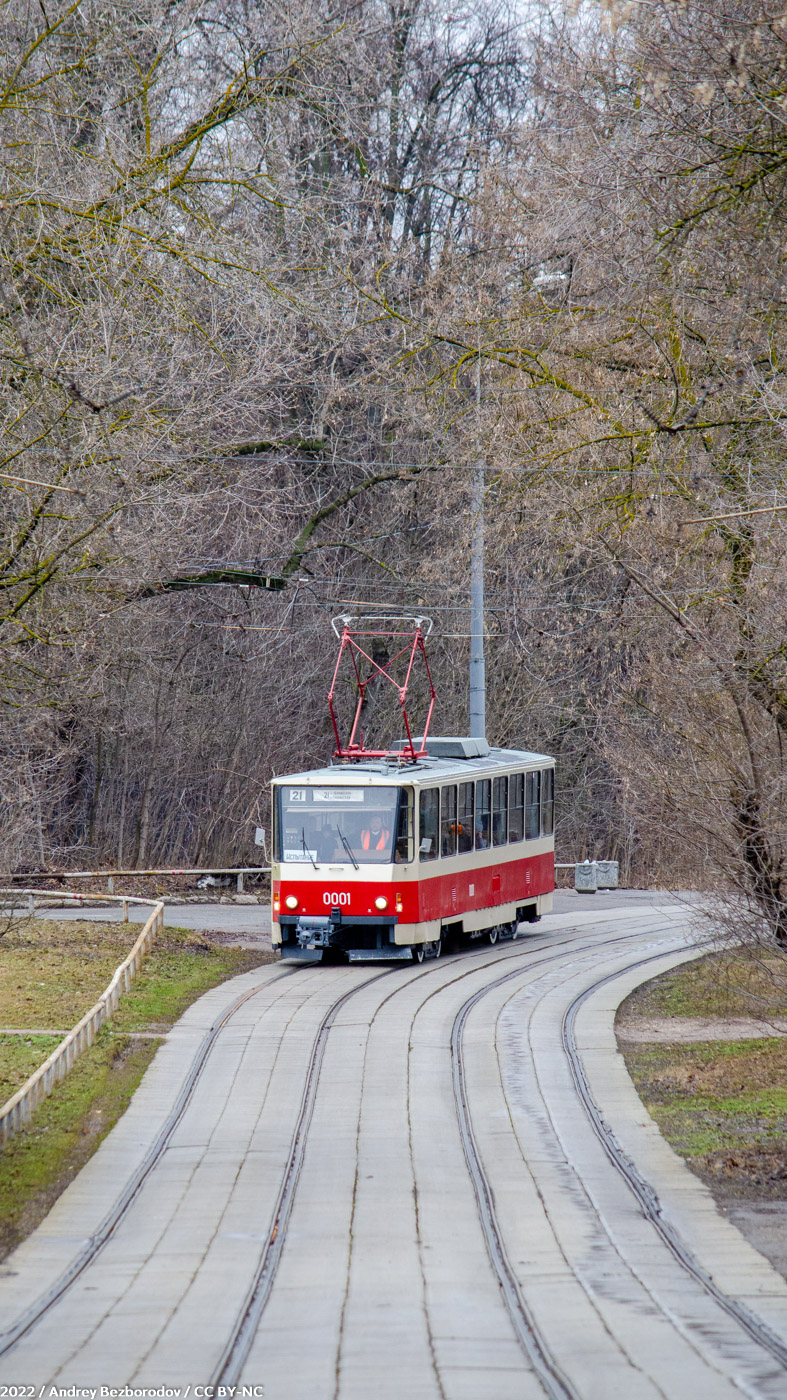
column 399, row 856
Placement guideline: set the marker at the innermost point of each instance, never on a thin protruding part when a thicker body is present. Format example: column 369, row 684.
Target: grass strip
column 721, row 1104
column 732, row 982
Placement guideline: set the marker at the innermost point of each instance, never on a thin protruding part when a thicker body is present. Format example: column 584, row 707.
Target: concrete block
column 607, row 874
column 586, row 877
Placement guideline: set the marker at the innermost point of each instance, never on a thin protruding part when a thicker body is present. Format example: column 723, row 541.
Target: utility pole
column 477, row 661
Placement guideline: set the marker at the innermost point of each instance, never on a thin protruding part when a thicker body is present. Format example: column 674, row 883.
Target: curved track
column 407, row 1182
column 647, row 1197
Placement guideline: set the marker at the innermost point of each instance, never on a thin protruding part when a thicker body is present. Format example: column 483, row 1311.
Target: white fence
column 111, row 875
column 19, row 1108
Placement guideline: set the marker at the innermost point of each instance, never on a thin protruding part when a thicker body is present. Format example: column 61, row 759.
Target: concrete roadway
column 253, row 921
column 409, row 1200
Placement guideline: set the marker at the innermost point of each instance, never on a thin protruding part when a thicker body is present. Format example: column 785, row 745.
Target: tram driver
column 375, row 836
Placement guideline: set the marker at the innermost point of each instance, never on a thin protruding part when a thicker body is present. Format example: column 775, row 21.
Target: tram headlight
column 381, row 902
column 291, row 901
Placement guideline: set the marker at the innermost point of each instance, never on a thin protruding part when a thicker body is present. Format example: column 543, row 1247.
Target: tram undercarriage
column 317, row 938
column 310, row 937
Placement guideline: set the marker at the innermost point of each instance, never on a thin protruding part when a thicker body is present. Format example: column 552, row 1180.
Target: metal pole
column 477, row 661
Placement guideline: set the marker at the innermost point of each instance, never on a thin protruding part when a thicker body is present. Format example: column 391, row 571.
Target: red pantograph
column 367, row 667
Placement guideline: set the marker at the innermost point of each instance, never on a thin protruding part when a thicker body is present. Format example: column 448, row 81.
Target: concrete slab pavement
column 386, row 1284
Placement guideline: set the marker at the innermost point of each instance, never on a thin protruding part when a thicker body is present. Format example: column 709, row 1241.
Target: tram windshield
column 332, row 825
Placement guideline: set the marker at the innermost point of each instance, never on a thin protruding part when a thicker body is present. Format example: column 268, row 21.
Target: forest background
column 274, row 280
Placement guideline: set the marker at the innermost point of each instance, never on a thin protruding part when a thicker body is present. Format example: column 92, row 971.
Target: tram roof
column 421, row 773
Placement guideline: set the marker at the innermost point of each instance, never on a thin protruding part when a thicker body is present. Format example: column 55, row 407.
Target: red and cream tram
column 385, row 858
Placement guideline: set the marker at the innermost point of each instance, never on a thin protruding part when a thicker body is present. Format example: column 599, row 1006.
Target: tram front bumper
column 306, row 938
column 400, row 953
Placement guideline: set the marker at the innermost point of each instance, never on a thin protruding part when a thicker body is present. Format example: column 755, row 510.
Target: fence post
column 125, row 911
column 240, row 882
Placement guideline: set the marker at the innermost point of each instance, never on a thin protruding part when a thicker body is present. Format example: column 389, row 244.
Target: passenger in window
column 481, row 833
column 329, row 846
column 449, row 839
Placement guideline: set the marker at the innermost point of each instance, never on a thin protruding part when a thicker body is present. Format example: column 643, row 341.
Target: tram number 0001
column 336, row 897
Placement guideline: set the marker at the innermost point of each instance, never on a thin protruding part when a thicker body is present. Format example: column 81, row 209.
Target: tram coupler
column 313, row 931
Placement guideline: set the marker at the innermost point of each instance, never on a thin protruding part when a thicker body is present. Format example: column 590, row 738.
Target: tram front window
column 324, row 825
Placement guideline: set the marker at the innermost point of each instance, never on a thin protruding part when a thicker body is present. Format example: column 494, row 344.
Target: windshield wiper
column 306, row 850
column 347, row 846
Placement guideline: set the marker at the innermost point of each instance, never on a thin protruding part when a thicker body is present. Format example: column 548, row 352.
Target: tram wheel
column 419, row 952
column 492, row 935
column 437, row 948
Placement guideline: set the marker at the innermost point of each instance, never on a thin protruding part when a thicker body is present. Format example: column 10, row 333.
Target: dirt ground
column 706, row 1046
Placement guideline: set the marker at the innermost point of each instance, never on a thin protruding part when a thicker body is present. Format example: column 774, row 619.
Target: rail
column 111, row 875
column 19, row 1108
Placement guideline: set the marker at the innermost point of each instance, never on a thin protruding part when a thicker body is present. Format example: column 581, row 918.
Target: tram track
column 236, row 1349
column 641, row 1189
column 242, row 1333
column 553, row 1378
column 265, row 1273
column 528, row 1334
column 540, row 1356
column 526, row 1330
column 134, row 1185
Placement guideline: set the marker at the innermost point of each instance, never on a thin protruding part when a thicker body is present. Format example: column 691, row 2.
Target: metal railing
column 111, row 875
column 19, row 1108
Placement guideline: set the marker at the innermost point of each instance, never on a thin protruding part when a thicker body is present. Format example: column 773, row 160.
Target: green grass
column 38, row 1164
column 20, row 1056
column 748, row 982
column 178, row 970
column 43, row 987
column 74, row 961
column 723, row 1106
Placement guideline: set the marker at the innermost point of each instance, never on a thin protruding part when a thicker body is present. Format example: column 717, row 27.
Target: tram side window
column 465, row 815
column 448, row 821
column 532, row 796
column 500, row 811
column 403, row 852
column 516, row 806
column 483, row 814
column 547, row 801
column 428, row 811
